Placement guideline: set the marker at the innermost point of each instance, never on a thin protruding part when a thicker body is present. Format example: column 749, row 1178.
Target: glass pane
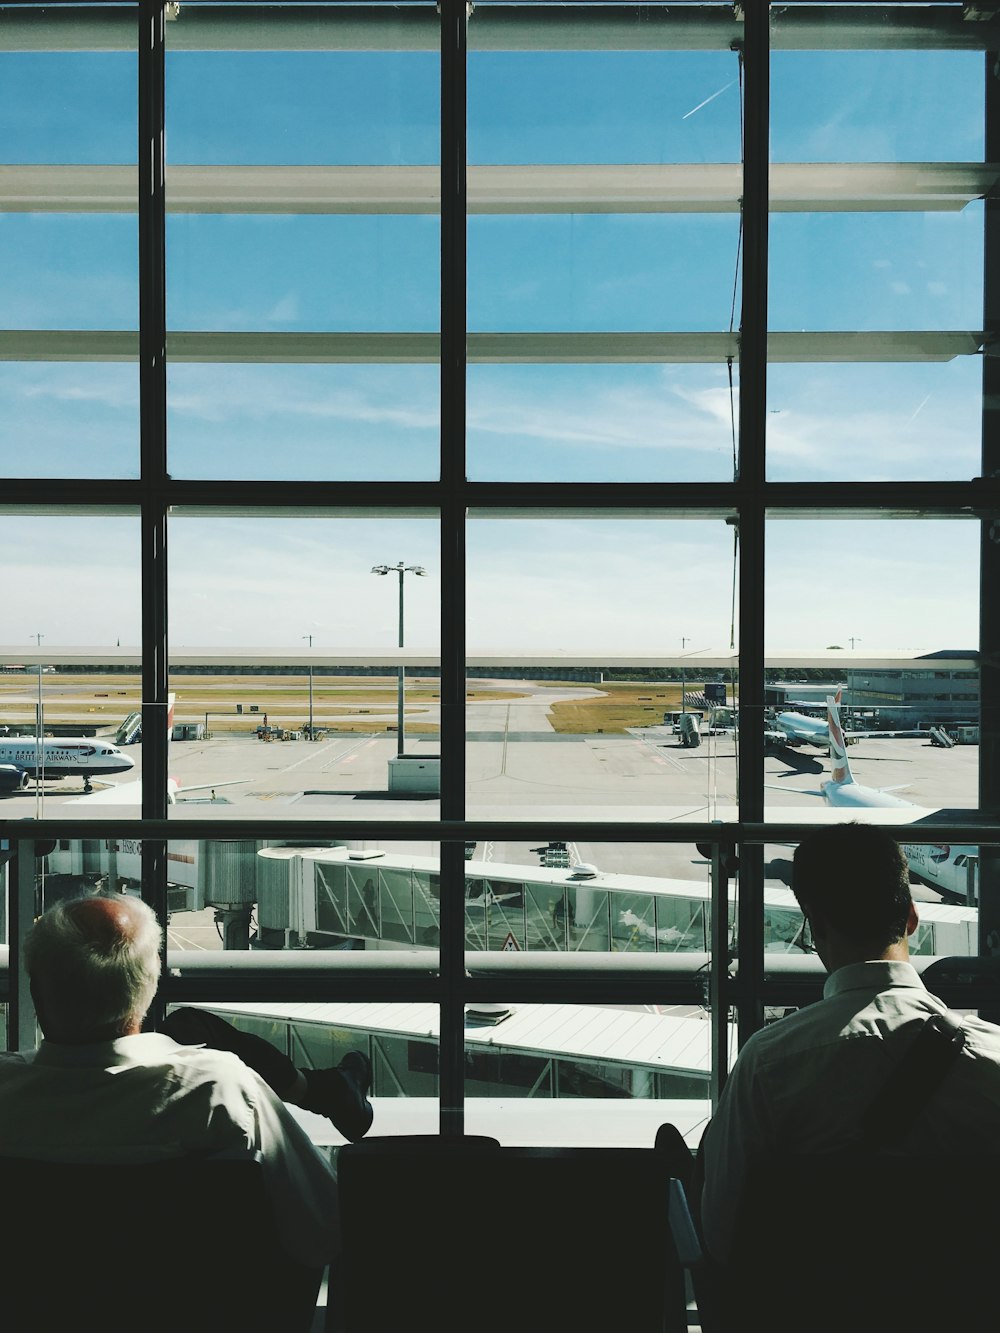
column 874, row 422
column 585, row 168
column 907, row 670
column 876, row 106
column 306, row 422
column 603, row 106
column 67, row 419
column 322, row 689
column 616, row 625
column 601, row 422
column 61, row 699
column 43, row 94
column 892, row 270
column 399, row 1039
column 607, row 274
column 311, row 212
column 618, row 1072
column 68, row 250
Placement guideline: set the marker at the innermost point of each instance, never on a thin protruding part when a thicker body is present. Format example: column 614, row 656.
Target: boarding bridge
column 340, row 897
column 329, row 897
column 540, row 1051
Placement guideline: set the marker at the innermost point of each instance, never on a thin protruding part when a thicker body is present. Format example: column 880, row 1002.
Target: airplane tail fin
column 171, row 782
column 839, row 762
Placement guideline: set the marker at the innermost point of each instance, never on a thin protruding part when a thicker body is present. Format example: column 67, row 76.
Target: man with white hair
column 99, row 1089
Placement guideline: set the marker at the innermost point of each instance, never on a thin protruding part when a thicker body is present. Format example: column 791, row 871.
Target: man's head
column 94, row 965
column 852, row 882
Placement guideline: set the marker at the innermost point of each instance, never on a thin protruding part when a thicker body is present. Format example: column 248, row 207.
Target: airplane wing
column 186, row 790
column 121, row 793
column 130, row 793
column 887, row 735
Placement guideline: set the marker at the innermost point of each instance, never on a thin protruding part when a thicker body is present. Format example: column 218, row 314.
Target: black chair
column 186, row 1244
column 870, row 1243
column 457, row 1234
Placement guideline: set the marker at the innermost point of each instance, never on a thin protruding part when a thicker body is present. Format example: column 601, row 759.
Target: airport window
column 409, row 492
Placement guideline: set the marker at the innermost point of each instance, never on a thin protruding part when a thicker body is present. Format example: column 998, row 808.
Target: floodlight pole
column 312, row 734
column 39, row 745
column 400, row 569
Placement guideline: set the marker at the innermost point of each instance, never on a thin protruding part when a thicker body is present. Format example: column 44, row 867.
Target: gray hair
column 91, row 978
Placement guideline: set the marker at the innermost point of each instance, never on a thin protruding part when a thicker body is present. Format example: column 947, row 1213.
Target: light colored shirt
column 804, row 1083
column 145, row 1097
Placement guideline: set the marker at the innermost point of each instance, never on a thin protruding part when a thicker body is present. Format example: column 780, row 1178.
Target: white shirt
column 805, row 1081
column 145, row 1097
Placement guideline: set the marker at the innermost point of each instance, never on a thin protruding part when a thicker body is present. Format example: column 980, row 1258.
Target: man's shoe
column 341, row 1095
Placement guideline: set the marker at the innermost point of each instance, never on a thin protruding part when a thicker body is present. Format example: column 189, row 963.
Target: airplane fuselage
column 856, row 796
column 24, row 758
column 802, row 730
column 946, row 868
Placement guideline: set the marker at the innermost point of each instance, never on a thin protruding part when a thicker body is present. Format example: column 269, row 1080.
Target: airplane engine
column 12, row 778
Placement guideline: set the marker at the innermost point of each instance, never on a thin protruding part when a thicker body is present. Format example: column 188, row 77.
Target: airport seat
column 466, row 1236
column 872, row 1243
column 187, row 1244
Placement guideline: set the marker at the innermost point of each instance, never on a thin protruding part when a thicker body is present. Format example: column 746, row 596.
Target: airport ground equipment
column 940, row 737
column 196, row 1238
column 531, row 1238
column 690, row 729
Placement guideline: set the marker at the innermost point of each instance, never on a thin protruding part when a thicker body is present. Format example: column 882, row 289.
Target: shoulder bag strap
column 913, row 1082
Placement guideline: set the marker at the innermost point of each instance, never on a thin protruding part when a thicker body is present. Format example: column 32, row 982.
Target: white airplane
column 945, row 868
column 23, row 758
column 130, row 793
column 800, row 729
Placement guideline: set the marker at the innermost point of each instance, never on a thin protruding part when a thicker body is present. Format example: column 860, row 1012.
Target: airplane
column 945, row 868
column 23, row 758
column 130, row 793
column 800, row 729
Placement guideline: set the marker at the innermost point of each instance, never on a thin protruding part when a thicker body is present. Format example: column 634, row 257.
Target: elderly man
column 99, row 1089
column 807, row 1082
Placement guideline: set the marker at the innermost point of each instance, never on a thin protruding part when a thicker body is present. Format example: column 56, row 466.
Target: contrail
column 920, row 407
column 707, row 100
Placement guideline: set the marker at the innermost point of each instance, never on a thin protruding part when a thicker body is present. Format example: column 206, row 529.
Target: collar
column 143, row 1048
column 873, row 976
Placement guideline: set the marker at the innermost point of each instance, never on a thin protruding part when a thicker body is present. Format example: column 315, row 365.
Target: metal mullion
column 989, row 546
column 751, row 477
column 153, row 439
column 21, row 1028
column 454, row 19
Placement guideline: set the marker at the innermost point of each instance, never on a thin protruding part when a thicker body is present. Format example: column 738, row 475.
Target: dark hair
column 856, row 879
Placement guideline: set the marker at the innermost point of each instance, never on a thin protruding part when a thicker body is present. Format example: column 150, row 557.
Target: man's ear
column 912, row 920
column 38, row 1001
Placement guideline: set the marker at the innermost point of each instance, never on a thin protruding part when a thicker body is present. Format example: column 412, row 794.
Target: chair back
column 459, row 1234
column 187, row 1244
column 870, row 1242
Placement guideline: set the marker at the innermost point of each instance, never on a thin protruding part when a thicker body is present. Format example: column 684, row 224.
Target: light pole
column 684, row 643
column 312, row 735
column 400, row 569
column 39, row 748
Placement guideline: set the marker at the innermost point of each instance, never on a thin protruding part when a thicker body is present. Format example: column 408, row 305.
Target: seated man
column 99, row 1089
column 806, row 1082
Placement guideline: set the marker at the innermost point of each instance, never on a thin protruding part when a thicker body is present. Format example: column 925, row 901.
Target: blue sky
column 537, row 586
